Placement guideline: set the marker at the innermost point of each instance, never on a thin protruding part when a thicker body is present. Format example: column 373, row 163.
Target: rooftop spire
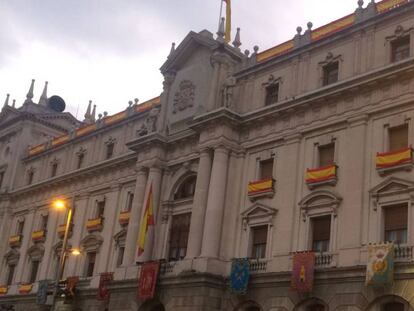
column 93, row 113
column 29, row 95
column 88, row 113
column 220, row 32
column 14, row 103
column 6, row 102
column 236, row 42
column 43, row 97
column 172, row 49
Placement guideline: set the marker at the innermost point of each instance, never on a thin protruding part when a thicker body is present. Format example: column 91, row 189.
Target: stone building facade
column 338, row 97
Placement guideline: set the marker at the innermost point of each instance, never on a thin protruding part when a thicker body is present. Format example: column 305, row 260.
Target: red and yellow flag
column 147, row 220
column 394, row 158
column 320, row 174
column 227, row 35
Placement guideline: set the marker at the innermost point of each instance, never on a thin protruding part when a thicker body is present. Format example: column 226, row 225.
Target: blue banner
column 239, row 276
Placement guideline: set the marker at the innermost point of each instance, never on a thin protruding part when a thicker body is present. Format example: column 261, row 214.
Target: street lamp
column 61, row 205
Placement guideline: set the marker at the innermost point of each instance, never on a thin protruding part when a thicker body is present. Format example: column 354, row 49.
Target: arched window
column 393, row 306
column 186, row 189
column 316, row 307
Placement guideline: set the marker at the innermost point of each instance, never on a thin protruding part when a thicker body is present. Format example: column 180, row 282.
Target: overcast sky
column 110, row 51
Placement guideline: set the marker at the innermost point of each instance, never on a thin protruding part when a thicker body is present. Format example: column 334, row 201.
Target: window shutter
column 398, row 137
column 321, row 228
column 260, row 235
column 395, row 217
column 326, row 155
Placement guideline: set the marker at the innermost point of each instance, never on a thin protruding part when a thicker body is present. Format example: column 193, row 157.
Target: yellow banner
column 25, row 288
column 94, row 222
column 387, row 5
column 260, row 186
column 38, row 234
column 3, row 290
column 320, row 174
column 124, row 217
column 147, row 220
column 14, row 239
column 394, row 158
column 227, row 36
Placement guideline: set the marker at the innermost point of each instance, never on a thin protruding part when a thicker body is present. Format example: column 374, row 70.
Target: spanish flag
column 393, row 158
column 227, row 36
column 147, row 220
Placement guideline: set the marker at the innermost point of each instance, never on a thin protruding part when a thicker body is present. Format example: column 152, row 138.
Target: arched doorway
column 389, row 303
column 248, row 306
column 152, row 305
column 312, row 304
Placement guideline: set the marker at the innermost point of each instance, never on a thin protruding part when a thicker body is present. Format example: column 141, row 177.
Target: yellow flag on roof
column 227, row 36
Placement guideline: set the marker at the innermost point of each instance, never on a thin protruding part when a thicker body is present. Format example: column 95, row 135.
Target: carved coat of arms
column 184, row 97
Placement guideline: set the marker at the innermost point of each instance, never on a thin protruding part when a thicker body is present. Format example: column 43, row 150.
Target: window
column 326, row 155
column 330, row 73
column 321, row 232
column 33, row 272
column 272, row 94
column 259, row 241
column 10, row 274
column 90, row 263
column 130, row 200
column 398, row 137
column 100, row 208
column 266, row 168
column 1, row 178
column 180, row 228
column 20, row 227
column 395, row 224
column 120, row 257
column 30, row 175
column 54, row 170
column 44, row 221
column 393, row 306
column 186, row 189
column 400, row 49
column 81, row 157
column 315, row 307
column 110, row 150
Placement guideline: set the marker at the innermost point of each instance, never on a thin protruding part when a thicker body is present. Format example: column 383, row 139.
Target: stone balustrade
column 257, row 265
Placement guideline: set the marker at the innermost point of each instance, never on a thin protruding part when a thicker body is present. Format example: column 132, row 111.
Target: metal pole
column 63, row 251
column 221, row 11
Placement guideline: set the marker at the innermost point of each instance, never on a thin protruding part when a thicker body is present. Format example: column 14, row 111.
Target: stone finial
column 130, row 103
column 255, row 49
column 307, row 36
column 14, row 103
column 247, row 52
column 172, row 49
column 220, row 32
column 360, row 3
column 93, row 113
column 43, row 97
column 237, row 43
column 6, row 102
column 136, row 100
column 310, row 25
column 371, row 10
column 297, row 39
column 88, row 113
column 99, row 116
column 299, row 30
column 105, row 114
column 29, row 95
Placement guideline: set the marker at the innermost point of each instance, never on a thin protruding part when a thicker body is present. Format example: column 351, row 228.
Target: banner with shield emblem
column 380, row 264
column 239, row 276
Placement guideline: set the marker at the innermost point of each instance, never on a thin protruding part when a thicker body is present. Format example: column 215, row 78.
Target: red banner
column 103, row 291
column 303, row 272
column 148, row 280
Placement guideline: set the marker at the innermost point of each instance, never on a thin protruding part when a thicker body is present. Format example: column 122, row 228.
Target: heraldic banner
column 103, row 291
column 239, row 276
column 71, row 283
column 380, row 265
column 303, row 272
column 148, row 280
column 41, row 295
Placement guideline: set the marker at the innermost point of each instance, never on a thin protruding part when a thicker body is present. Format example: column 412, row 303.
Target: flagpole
column 221, row 11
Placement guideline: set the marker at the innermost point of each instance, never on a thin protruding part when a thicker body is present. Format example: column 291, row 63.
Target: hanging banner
column 103, row 291
column 380, row 264
column 71, row 283
column 41, row 295
column 148, row 280
column 239, row 276
column 303, row 272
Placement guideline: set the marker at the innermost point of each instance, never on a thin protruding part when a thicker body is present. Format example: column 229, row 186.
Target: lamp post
column 62, row 204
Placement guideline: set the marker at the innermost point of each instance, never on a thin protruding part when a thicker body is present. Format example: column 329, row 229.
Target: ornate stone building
column 249, row 155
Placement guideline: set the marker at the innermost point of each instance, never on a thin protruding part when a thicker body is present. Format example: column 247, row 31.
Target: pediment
column 7, row 114
column 12, row 256
column 258, row 210
column 120, row 236
column 392, row 185
column 321, row 198
column 36, row 251
column 91, row 242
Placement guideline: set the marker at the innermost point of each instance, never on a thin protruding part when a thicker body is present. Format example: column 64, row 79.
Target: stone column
column 211, row 102
column 22, row 268
column 199, row 205
column 215, row 205
column 134, row 217
column 154, row 179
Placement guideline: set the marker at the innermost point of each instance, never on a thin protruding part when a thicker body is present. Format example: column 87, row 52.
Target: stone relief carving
column 150, row 123
column 184, row 97
column 227, row 92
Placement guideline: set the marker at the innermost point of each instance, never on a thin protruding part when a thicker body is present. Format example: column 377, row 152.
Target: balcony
column 95, row 224
column 257, row 265
column 15, row 240
column 325, row 260
column 124, row 218
column 39, row 236
column 61, row 230
column 25, row 288
column 395, row 160
column 261, row 188
column 326, row 175
column 167, row 267
column 403, row 253
column 4, row 289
